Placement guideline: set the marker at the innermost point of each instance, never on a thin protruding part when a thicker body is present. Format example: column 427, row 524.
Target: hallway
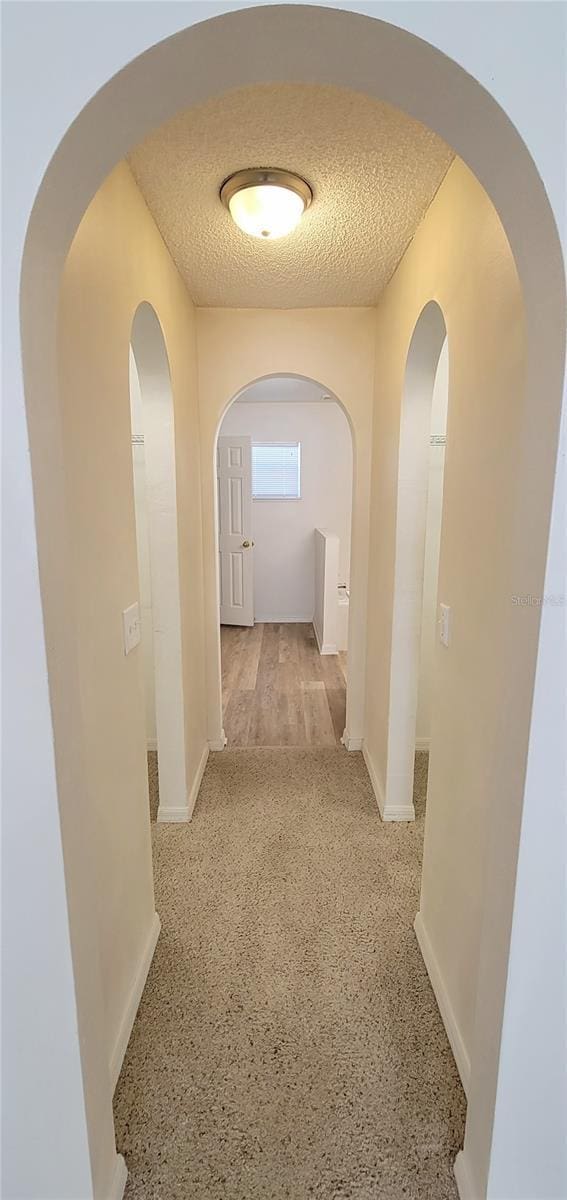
column 256, row 215
column 288, row 1043
column 278, row 690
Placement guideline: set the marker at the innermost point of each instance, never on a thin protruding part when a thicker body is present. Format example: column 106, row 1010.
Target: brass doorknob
column 246, row 545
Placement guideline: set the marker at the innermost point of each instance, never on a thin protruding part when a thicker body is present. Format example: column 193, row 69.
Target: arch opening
column 516, row 193
column 293, row 554
column 418, row 524
column 155, row 495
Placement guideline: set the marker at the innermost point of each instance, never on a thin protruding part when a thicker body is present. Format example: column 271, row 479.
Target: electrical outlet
column 444, row 624
column 131, row 627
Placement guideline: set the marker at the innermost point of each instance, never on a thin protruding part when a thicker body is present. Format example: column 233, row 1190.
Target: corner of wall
column 133, row 1001
column 463, row 1178
column 441, row 993
column 183, row 813
column 388, row 812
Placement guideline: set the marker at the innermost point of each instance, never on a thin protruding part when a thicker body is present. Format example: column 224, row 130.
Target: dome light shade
column 266, row 204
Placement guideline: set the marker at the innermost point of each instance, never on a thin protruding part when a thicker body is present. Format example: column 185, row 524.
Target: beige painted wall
column 118, row 260
column 460, row 258
column 335, row 347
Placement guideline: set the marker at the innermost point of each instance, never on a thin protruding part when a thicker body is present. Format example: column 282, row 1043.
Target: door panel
column 236, row 506
column 235, row 531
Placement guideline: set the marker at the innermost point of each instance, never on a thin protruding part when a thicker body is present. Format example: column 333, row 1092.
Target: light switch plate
column 131, row 627
column 444, row 624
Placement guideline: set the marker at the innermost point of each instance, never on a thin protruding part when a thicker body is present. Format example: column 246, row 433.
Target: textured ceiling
column 373, row 172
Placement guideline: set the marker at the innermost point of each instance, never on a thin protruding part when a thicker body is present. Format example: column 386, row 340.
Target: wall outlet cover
column 444, row 624
column 131, row 627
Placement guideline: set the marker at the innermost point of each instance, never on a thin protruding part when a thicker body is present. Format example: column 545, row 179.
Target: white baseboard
column 465, row 1186
column 118, row 1181
column 398, row 812
column 301, row 620
column 194, row 789
column 126, row 1025
column 173, row 816
column 151, row 744
column 218, row 743
column 183, row 814
column 422, row 744
column 326, row 647
column 352, row 743
column 391, row 812
column 443, row 1003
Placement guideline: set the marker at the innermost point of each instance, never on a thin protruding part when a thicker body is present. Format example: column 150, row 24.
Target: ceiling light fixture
column 267, row 204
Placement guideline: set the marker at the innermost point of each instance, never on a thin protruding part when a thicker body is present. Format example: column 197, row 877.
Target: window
column 276, row 471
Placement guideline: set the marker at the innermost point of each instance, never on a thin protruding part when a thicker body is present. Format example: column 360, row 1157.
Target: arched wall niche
column 433, row 530
column 422, row 362
column 152, row 365
column 311, row 44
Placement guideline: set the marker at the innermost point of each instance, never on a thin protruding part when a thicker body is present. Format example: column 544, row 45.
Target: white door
column 235, row 531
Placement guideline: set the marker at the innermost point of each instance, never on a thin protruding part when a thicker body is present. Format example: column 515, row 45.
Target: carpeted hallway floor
column 288, row 1043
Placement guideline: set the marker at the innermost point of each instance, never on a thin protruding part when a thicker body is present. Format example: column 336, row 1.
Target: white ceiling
column 373, row 171
column 284, row 389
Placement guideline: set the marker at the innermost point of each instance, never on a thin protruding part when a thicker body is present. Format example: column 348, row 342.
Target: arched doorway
column 483, row 141
column 296, row 559
column 318, row 347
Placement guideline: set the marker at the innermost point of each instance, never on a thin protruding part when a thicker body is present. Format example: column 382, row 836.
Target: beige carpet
column 153, row 783
column 288, row 1043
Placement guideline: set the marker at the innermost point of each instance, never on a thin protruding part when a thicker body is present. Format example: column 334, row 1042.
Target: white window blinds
column 276, row 471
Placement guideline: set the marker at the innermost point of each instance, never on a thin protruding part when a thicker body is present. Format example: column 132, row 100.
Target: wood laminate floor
column 278, row 690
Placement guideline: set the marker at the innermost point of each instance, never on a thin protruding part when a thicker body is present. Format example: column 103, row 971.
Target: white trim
column 127, row 1022
column 444, row 1005
column 463, row 1177
column 352, row 743
column 194, row 789
column 173, row 816
column 301, row 620
column 327, row 647
column 398, row 812
column 151, row 744
column 118, row 1181
column 218, row 743
column 422, row 744
column 392, row 812
column 178, row 815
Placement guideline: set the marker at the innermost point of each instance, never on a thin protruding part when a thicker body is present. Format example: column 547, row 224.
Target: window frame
column 261, row 499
